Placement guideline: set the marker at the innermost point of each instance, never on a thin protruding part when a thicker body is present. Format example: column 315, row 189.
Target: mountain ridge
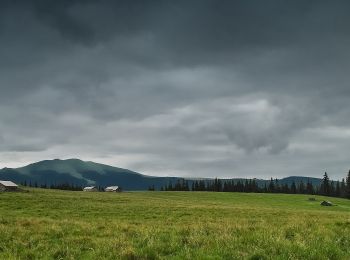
column 79, row 172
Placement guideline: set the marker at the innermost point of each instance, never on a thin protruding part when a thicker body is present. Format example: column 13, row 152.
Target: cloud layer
column 188, row 88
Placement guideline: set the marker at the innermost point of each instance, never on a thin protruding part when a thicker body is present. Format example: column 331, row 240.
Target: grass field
column 53, row 224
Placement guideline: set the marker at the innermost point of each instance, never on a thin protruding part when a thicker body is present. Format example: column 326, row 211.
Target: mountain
column 83, row 173
column 78, row 172
column 298, row 179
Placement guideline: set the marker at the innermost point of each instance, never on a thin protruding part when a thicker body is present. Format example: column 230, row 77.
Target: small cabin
column 8, row 186
column 90, row 188
column 113, row 189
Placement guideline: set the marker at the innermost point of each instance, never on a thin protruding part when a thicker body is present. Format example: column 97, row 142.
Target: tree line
column 327, row 187
column 60, row 186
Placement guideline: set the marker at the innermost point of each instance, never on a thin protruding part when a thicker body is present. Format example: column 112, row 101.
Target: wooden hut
column 113, row 189
column 8, row 186
column 90, row 188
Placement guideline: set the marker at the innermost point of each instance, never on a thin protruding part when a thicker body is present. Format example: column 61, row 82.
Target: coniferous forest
column 327, row 187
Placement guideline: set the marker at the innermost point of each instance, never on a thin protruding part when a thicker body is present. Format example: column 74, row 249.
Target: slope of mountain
column 298, row 179
column 78, row 172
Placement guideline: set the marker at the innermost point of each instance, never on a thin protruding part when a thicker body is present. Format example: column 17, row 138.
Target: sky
column 199, row 88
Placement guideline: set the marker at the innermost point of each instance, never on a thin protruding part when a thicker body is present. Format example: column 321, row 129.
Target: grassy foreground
column 49, row 224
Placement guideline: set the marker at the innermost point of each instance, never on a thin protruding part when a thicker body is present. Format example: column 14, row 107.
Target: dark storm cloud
column 177, row 87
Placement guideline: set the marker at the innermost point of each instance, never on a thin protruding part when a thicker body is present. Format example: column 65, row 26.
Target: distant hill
column 78, row 172
column 298, row 179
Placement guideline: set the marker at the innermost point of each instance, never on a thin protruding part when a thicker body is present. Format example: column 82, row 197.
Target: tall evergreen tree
column 272, row 186
column 301, row 187
column 342, row 188
column 337, row 192
column 277, row 186
column 293, row 188
column 309, row 187
column 347, row 190
column 285, row 188
column 265, row 189
column 325, row 187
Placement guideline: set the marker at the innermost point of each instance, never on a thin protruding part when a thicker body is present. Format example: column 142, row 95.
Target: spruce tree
column 301, row 187
column 246, row 186
column 332, row 189
column 272, row 186
column 254, row 186
column 337, row 189
column 309, row 187
column 277, row 186
column 170, row 186
column 347, row 190
column 342, row 188
column 325, row 185
column 265, row 188
column 293, row 188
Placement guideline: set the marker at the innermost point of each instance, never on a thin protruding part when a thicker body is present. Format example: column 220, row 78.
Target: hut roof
column 112, row 188
column 90, row 188
column 8, row 184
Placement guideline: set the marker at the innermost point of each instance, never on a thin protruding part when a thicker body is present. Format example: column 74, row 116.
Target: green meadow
column 51, row 224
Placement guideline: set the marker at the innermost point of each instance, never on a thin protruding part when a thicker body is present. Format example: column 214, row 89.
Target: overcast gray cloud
column 188, row 88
